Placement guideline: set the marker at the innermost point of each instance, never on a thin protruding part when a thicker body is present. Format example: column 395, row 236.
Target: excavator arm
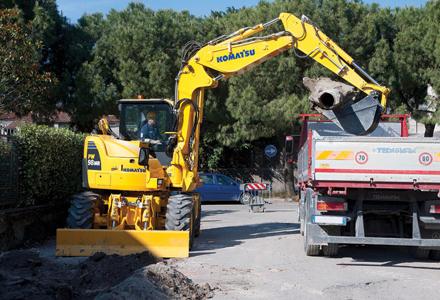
column 233, row 54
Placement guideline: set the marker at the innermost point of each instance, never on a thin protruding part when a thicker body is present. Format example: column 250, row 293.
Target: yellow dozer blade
column 86, row 242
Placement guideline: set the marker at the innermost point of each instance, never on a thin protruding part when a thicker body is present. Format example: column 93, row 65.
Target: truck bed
column 370, row 159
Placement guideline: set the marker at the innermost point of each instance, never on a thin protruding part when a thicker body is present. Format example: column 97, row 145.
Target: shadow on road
column 383, row 256
column 230, row 236
column 206, row 213
column 221, row 203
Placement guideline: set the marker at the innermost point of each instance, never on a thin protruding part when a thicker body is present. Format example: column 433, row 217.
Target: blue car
column 219, row 187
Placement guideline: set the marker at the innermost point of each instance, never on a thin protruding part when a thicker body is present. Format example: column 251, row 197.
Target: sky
column 74, row 9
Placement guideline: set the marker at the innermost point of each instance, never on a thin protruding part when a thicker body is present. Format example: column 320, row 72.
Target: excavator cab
column 147, row 119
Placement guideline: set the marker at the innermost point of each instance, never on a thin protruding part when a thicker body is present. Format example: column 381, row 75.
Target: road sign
column 270, row 151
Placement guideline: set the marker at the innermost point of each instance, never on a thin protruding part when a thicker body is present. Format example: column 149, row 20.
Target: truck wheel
column 435, row 254
column 179, row 216
column 311, row 250
column 301, row 227
column 80, row 214
column 330, row 250
column 421, row 253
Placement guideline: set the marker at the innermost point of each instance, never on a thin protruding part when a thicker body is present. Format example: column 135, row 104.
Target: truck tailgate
column 370, row 159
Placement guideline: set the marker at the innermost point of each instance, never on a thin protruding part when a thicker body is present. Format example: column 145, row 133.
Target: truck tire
column 301, row 219
column 179, row 215
column 311, row 250
column 420, row 252
column 80, row 213
column 435, row 254
column 330, row 250
column 301, row 227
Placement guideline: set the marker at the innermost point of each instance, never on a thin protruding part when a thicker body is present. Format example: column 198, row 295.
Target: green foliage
column 5, row 149
column 51, row 162
column 23, row 86
column 137, row 51
column 416, row 56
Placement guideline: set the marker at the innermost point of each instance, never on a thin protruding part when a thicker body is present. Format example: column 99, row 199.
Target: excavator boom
column 233, row 54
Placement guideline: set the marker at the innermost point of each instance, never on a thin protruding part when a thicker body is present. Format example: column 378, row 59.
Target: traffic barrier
column 256, row 186
column 258, row 192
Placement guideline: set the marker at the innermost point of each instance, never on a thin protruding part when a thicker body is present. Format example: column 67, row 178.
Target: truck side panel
column 368, row 159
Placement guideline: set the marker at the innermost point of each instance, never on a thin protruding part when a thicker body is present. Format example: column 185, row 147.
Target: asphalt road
column 260, row 256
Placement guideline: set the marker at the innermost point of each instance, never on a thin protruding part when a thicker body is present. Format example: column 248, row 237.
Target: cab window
column 141, row 121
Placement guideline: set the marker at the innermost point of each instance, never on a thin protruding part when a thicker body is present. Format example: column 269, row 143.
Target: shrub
column 5, row 149
column 50, row 162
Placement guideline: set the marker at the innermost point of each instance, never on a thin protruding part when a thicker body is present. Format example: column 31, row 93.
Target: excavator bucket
column 86, row 242
column 358, row 118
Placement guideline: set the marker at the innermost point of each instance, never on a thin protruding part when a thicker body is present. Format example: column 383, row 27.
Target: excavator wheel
column 80, row 214
column 179, row 216
column 197, row 220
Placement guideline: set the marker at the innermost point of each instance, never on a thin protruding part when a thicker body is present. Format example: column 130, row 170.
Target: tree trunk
column 429, row 130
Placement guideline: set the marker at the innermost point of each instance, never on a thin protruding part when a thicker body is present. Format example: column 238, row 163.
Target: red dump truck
column 379, row 189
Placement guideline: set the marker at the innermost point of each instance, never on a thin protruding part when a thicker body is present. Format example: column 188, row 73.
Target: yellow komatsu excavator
column 140, row 182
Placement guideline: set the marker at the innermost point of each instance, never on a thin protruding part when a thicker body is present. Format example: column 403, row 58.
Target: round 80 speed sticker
column 361, row 157
column 425, row 158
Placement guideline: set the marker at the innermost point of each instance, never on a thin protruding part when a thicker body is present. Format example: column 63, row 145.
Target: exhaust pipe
column 337, row 101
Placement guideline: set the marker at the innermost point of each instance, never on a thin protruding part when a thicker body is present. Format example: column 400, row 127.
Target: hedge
column 5, row 149
column 50, row 161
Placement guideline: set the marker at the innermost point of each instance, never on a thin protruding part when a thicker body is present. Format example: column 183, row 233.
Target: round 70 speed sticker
column 361, row 157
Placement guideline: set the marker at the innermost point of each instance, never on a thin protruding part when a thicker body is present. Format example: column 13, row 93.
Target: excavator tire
column 197, row 221
column 179, row 216
column 80, row 214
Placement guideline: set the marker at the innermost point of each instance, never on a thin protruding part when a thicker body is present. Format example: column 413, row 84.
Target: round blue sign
column 270, row 151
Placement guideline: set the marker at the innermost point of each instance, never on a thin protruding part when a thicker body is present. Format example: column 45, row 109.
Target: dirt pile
column 26, row 275
column 172, row 284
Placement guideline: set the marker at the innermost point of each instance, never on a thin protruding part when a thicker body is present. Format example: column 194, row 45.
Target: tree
column 24, row 87
column 417, row 46
column 138, row 53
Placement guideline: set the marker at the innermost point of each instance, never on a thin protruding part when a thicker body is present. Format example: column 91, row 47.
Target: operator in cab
column 149, row 128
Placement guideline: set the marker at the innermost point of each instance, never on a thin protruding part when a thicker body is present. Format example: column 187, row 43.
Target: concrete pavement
column 260, row 256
